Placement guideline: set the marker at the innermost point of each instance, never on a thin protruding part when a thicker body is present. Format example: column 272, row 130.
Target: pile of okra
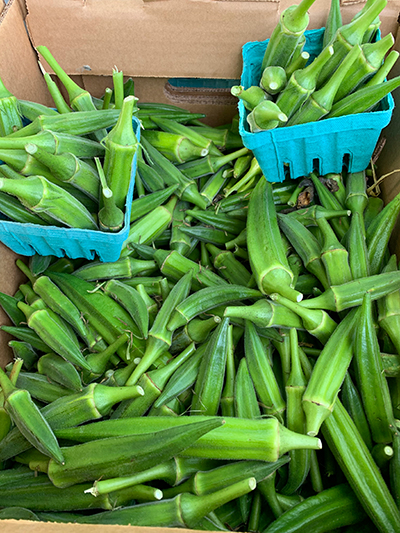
column 237, row 368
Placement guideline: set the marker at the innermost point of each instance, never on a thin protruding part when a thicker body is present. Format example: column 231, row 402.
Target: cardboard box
column 153, row 41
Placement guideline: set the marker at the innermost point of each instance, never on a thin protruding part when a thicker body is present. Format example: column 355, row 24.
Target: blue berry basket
column 30, row 239
column 325, row 145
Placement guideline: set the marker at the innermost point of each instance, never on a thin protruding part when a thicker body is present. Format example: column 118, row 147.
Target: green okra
column 262, row 375
column 334, row 256
column 273, row 79
column 384, row 69
column 58, row 99
column 241, row 166
column 338, row 506
column 229, row 267
column 394, row 468
column 267, row 115
column 301, row 84
column 364, row 99
column 214, row 185
column 264, row 241
column 245, row 398
column 49, row 327
column 175, row 147
column 118, row 87
column 247, row 181
column 360, row 470
column 39, row 195
column 149, row 176
column 187, row 189
column 79, row 99
column 266, row 314
column 333, row 22
column 348, row 36
column 18, row 513
column 60, row 371
column 23, row 350
column 40, row 388
column 358, row 253
column 105, row 315
column 209, row 164
column 197, row 330
column 143, row 206
column 132, row 301
column 382, row 454
column 160, row 338
column 67, row 168
column 31, row 110
column 125, row 267
column 224, row 138
column 99, row 361
column 150, row 226
column 350, row 294
column 28, row 419
column 10, row 117
column 352, row 402
column 367, row 64
column 288, row 32
column 227, row 395
column 179, row 240
column 183, row 378
column 371, row 381
column 153, row 383
column 9, row 305
column 210, row 379
column 250, row 97
column 27, row 335
column 309, row 216
column 261, row 439
column 205, row 299
column 113, row 456
column 319, row 324
column 295, row 417
column 80, row 123
column 206, row 234
column 389, row 307
column 219, row 221
column 379, row 232
column 320, row 102
column 196, row 138
column 174, row 265
column 356, row 192
column 185, row 510
column 120, row 148
column 328, row 373
column 216, row 478
column 253, row 523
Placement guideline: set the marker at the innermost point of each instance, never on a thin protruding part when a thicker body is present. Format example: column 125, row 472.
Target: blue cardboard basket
column 325, row 145
column 29, row 239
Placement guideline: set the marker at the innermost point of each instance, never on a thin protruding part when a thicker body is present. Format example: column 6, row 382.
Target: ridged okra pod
column 237, row 439
column 28, row 419
column 210, row 378
column 361, row 470
column 348, row 36
column 120, row 144
column 371, row 381
column 333, row 22
column 60, row 371
column 229, row 267
column 288, row 32
column 185, row 510
column 40, row 195
column 350, row 294
column 124, row 455
column 206, row 299
column 337, row 506
column 295, row 418
column 265, row 116
column 250, row 97
column 261, row 372
column 389, row 309
column 10, row 118
column 328, row 373
column 319, row 324
column 266, row 251
column 334, row 256
column 265, row 314
column 352, row 402
column 79, row 99
column 175, row 147
column 160, row 338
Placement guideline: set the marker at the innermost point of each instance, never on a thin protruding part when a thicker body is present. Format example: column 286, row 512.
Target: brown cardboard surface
column 18, row 61
column 164, row 38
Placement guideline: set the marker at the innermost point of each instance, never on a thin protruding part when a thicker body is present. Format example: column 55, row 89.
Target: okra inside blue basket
column 326, row 145
column 29, row 239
